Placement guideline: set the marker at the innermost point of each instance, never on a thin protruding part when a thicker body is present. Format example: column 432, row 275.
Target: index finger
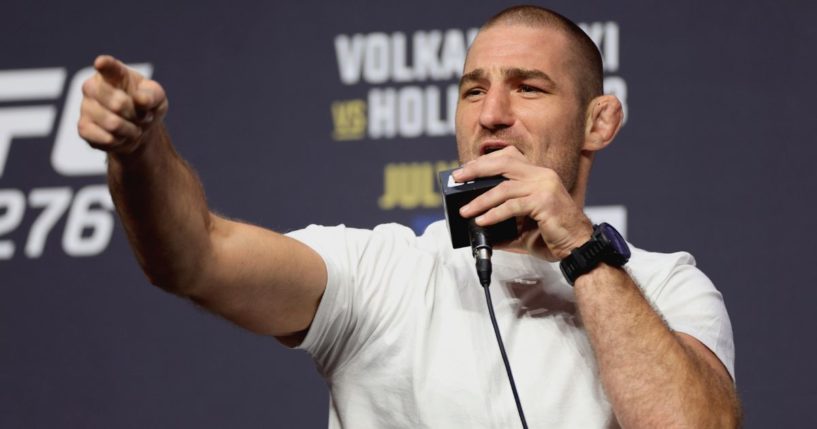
column 112, row 70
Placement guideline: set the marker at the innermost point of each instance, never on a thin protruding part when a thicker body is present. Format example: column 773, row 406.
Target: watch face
column 617, row 242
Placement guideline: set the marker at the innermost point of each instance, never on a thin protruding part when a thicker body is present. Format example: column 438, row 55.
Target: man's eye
column 528, row 88
column 470, row 93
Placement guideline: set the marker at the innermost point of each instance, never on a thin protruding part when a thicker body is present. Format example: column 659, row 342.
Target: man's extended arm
column 259, row 279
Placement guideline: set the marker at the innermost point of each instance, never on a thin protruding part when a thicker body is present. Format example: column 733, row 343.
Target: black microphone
column 455, row 195
column 482, row 251
column 466, row 231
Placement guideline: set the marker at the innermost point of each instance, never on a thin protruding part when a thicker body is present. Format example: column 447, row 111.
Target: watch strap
column 584, row 258
column 605, row 245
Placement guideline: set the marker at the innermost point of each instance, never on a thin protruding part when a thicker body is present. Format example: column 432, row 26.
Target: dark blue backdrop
column 716, row 158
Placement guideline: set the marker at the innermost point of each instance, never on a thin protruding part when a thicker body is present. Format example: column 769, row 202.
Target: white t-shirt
column 403, row 337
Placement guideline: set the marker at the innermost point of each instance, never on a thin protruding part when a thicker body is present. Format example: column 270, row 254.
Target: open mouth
column 492, row 148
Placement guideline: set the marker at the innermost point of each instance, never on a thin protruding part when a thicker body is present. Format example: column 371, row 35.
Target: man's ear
column 604, row 118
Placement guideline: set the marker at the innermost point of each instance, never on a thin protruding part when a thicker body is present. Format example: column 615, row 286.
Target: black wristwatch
column 605, row 245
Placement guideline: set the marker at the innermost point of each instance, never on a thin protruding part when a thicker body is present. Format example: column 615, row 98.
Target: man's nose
column 496, row 110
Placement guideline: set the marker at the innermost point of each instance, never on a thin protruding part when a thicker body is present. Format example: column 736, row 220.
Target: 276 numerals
column 88, row 227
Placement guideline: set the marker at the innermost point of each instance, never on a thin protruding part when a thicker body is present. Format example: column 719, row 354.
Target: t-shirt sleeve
column 691, row 304
column 356, row 301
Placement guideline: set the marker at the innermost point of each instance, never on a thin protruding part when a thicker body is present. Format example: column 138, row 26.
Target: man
column 396, row 322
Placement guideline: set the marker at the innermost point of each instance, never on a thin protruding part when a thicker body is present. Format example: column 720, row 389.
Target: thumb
column 150, row 100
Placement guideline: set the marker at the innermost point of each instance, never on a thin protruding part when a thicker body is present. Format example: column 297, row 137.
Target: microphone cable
column 482, row 251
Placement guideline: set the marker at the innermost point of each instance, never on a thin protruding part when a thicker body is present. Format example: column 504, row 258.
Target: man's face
column 519, row 89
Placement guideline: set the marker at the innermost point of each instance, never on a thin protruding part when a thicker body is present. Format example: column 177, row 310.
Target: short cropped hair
column 589, row 73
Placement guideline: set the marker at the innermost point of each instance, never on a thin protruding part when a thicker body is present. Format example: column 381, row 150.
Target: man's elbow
column 185, row 277
column 720, row 413
column 731, row 416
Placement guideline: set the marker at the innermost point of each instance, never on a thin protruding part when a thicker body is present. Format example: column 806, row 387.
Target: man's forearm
column 651, row 377
column 163, row 210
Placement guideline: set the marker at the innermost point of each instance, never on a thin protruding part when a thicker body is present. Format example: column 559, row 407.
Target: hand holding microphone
column 553, row 223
